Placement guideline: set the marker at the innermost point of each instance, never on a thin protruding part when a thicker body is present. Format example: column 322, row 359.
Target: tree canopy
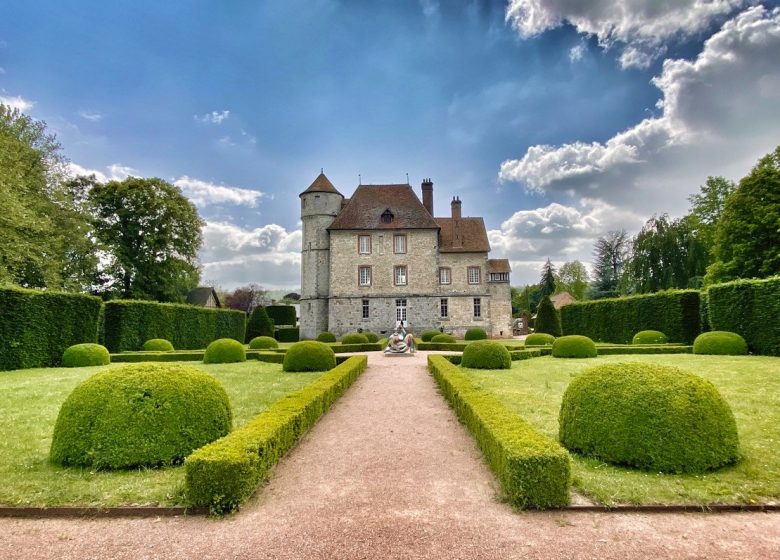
column 547, row 281
column 573, row 277
column 610, row 256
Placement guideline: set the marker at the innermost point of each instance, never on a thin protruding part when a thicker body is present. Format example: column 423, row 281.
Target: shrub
column 539, row 339
column 157, row 345
column 354, row 338
column 547, row 318
column 574, row 346
column 648, row 416
column 259, row 324
column 86, row 354
column 287, row 334
column 371, row 337
column 486, row 354
column 649, row 337
column 326, row 337
column 263, row 342
column 426, row 336
column 224, row 351
column 309, row 355
column 475, row 334
column 443, row 337
column 37, row 326
column 282, row 314
column 720, row 342
column 128, row 324
column 140, row 415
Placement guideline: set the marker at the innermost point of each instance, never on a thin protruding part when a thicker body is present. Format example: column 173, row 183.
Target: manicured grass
column 30, row 401
column 750, row 384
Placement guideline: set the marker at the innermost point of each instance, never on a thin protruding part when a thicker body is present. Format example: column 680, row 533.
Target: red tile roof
column 465, row 235
column 498, row 265
column 369, row 202
column 321, row 184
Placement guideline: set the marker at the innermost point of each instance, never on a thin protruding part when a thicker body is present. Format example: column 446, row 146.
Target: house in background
column 564, row 298
column 205, row 296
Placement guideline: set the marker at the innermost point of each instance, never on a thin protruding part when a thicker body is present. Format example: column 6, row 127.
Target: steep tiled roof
column 321, row 184
column 564, row 298
column 464, row 235
column 200, row 296
column 369, row 202
column 498, row 265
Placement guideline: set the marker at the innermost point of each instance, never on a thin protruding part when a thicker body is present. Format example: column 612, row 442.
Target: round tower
column 320, row 204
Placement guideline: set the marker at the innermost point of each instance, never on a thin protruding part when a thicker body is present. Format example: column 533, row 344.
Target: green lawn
column 750, row 384
column 30, row 401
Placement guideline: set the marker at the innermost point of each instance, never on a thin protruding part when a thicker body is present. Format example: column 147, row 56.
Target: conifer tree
column 260, row 324
column 547, row 318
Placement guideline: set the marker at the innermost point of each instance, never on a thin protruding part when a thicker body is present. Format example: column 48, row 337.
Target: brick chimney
column 455, row 207
column 427, row 192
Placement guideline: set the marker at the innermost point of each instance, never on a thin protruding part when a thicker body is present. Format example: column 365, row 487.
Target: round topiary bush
column 224, row 351
column 649, row 337
column 354, row 338
column 539, row 339
column 326, row 337
column 309, row 355
column 426, row 336
column 263, row 343
column 475, row 334
column 88, row 354
column 157, row 345
column 443, row 337
column 724, row 343
column 648, row 416
column 574, row 346
column 140, row 415
column 371, row 337
column 486, row 354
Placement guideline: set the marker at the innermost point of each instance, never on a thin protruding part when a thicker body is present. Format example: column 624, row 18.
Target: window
column 365, row 309
column 400, row 310
column 444, row 276
column 387, row 217
column 444, row 308
column 473, row 275
column 364, row 275
column 364, row 244
column 400, row 275
column 399, row 243
column 477, row 307
column 499, row 277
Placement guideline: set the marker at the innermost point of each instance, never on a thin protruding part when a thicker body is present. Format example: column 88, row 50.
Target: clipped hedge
column 475, row 333
column 539, row 339
column 665, row 349
column 445, row 346
column 287, row 334
column 282, row 314
column 443, row 337
column 36, row 327
column 371, row 337
column 133, row 357
column 354, row 338
column 426, row 336
column 366, row 347
column 157, row 345
column 140, row 415
column 675, row 313
column 86, row 354
column 326, row 337
column 649, row 337
column 486, row 354
column 722, row 343
column 574, row 346
column 224, row 351
column 648, row 416
column 515, row 355
column 309, row 355
column 533, row 469
column 263, row 343
column 129, row 323
column 749, row 308
column 225, row 473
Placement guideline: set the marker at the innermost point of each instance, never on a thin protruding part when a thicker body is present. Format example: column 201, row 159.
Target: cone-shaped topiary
column 475, row 334
column 539, row 339
column 371, row 337
column 263, row 343
column 326, row 337
column 486, row 354
column 648, row 416
column 259, row 324
column 426, row 336
column 157, row 345
column 87, row 354
column 547, row 318
column 649, row 337
column 309, row 355
column 443, row 337
column 140, row 415
column 354, row 338
column 574, row 346
column 224, row 351
column 723, row 343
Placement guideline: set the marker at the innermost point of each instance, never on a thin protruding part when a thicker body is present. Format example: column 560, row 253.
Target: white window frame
column 445, row 272
column 401, row 275
column 401, row 310
column 477, row 307
column 361, row 280
column 361, row 249
column 444, row 308
column 399, row 243
column 478, row 271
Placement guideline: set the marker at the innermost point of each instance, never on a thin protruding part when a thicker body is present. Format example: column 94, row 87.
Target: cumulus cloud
column 115, row 172
column 17, row 102
column 640, row 26
column 214, row 117
column 203, row 193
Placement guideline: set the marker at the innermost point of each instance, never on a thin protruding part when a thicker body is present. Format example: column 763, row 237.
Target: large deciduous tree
column 573, row 278
column 707, row 207
column 245, row 298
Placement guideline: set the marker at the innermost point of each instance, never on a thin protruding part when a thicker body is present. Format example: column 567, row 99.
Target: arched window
column 387, row 217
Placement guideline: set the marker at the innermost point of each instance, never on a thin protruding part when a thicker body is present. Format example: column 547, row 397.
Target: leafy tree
column 707, row 207
column 573, row 278
column 610, row 255
column 547, row 318
column 245, row 298
column 547, row 282
column 748, row 233
column 259, row 324
column 527, row 299
column 151, row 234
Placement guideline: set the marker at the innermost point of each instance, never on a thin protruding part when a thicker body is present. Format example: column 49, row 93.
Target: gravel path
column 390, row 473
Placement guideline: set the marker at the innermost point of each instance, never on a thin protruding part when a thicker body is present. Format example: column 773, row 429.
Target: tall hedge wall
column 36, row 327
column 282, row 314
column 675, row 313
column 129, row 323
column 750, row 308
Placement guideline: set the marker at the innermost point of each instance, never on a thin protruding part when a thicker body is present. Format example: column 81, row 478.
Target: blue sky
column 555, row 123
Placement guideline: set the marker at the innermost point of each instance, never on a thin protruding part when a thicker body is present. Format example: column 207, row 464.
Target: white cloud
column 576, row 53
column 214, row 117
column 642, row 26
column 17, row 102
column 203, row 193
column 75, row 169
column 119, row 172
column 93, row 116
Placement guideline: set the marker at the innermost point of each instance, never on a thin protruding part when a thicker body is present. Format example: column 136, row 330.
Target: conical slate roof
column 322, row 184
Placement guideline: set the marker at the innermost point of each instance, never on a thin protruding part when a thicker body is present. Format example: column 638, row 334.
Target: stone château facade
column 380, row 257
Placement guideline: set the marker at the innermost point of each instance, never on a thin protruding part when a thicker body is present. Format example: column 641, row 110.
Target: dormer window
column 387, row 217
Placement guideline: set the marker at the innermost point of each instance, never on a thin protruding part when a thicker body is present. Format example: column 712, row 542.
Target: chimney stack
column 427, row 192
column 455, row 207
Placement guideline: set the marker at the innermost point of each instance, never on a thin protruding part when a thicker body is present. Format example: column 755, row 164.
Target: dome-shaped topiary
column 427, row 335
column 309, row 355
column 539, row 339
column 486, row 354
column 720, row 342
column 475, row 333
column 224, row 351
column 140, row 415
column 354, row 338
column 87, row 354
column 443, row 337
column 263, row 343
column 574, row 346
column 157, row 345
column 326, row 337
column 371, row 337
column 649, row 337
column 648, row 416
